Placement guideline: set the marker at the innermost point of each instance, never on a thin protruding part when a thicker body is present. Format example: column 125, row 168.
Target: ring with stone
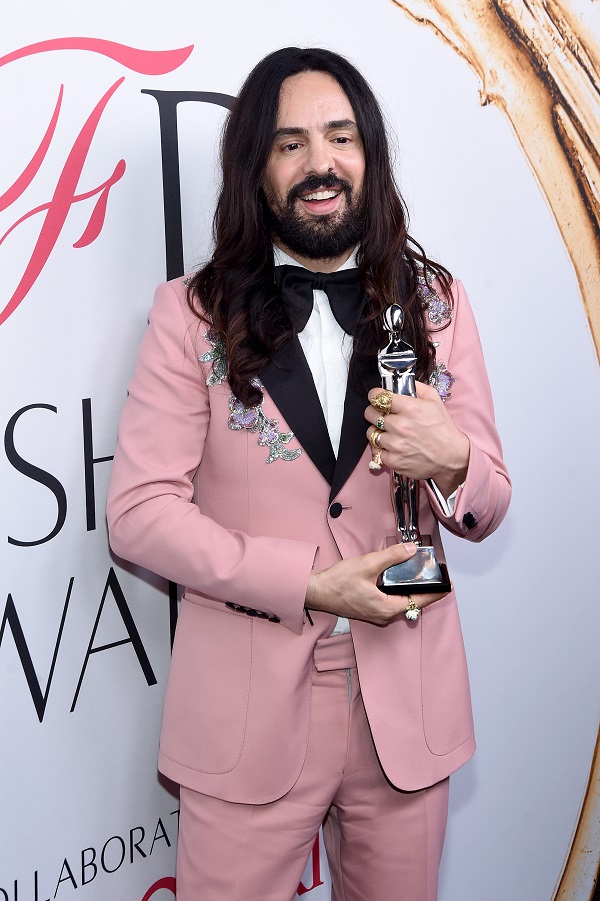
column 374, row 439
column 375, row 463
column 380, row 424
column 382, row 402
column 412, row 611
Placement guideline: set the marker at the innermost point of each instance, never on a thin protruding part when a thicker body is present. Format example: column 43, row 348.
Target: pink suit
column 195, row 500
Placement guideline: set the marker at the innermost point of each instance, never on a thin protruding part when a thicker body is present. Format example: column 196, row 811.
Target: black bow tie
column 343, row 290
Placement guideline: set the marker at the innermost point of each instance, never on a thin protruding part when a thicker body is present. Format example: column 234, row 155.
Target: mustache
column 315, row 182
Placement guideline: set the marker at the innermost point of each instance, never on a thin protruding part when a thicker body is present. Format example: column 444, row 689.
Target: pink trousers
column 382, row 844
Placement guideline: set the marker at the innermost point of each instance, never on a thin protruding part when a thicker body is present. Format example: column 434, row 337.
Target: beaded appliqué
column 254, row 420
column 442, row 380
column 216, row 356
column 242, row 417
column 439, row 311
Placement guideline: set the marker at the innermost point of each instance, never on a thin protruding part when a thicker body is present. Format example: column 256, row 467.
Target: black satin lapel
column 353, row 439
column 289, row 381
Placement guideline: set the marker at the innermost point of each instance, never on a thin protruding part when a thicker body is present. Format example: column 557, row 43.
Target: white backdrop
column 84, row 645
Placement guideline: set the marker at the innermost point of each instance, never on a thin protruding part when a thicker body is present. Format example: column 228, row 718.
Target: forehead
column 311, row 99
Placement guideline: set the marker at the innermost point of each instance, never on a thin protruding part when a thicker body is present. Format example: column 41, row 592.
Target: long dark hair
column 235, row 291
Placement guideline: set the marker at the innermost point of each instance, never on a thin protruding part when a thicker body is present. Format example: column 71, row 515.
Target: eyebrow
column 328, row 126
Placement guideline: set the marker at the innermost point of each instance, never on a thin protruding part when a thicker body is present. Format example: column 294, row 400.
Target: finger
column 424, row 600
column 373, row 416
column 381, row 441
column 397, row 399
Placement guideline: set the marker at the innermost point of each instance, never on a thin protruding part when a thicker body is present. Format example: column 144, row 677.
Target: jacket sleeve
column 151, row 517
column 482, row 501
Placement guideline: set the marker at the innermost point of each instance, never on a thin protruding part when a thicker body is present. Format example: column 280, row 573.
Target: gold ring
column 382, row 402
column 374, row 439
column 412, row 611
column 380, row 424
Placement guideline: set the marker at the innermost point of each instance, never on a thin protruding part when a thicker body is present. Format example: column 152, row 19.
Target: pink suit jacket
column 195, row 500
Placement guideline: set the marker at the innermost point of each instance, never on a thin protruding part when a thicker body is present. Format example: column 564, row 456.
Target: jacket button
column 335, row 510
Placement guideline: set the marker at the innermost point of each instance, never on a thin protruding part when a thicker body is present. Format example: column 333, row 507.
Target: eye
column 288, row 148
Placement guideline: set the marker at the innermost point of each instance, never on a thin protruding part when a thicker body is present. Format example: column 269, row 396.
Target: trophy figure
column 422, row 573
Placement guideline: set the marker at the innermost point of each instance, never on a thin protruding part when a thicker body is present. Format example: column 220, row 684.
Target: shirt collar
column 281, row 258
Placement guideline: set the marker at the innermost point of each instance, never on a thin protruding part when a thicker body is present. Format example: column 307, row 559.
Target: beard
column 317, row 237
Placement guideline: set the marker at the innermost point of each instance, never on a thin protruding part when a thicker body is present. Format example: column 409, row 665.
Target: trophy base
column 422, row 574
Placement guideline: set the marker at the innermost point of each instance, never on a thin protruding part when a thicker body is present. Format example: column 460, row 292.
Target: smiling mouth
column 320, row 195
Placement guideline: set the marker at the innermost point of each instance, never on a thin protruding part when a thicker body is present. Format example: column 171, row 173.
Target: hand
column 348, row 588
column 420, row 439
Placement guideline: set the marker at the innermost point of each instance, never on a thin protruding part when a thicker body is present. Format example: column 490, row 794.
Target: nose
column 319, row 159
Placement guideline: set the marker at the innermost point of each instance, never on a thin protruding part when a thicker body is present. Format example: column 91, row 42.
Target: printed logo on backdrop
column 98, row 862
column 51, row 209
column 76, row 871
column 110, row 592
column 73, row 185
column 49, row 201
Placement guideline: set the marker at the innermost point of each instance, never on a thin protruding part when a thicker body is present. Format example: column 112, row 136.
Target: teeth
column 320, row 195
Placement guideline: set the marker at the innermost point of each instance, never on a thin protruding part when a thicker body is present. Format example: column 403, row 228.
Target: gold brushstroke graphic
column 539, row 62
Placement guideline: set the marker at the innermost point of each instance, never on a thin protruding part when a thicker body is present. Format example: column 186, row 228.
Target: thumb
column 396, row 553
column 426, row 391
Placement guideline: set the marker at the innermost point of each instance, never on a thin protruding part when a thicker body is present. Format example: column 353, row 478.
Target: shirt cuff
column 446, row 503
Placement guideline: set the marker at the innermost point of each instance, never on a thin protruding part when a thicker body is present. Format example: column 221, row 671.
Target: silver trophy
column 422, row 573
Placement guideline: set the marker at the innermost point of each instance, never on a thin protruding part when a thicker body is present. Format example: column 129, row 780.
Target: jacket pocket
column 447, row 717
column 206, row 703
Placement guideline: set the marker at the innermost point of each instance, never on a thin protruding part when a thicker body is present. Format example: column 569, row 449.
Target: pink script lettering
column 56, row 210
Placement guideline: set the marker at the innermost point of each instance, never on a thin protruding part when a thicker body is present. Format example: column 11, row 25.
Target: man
column 243, row 473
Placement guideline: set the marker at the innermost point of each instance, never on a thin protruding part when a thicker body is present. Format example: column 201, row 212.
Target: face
column 314, row 177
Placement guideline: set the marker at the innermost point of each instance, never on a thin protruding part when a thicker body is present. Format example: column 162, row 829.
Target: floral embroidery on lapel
column 439, row 311
column 217, row 356
column 254, row 420
column 251, row 418
column 442, row 380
